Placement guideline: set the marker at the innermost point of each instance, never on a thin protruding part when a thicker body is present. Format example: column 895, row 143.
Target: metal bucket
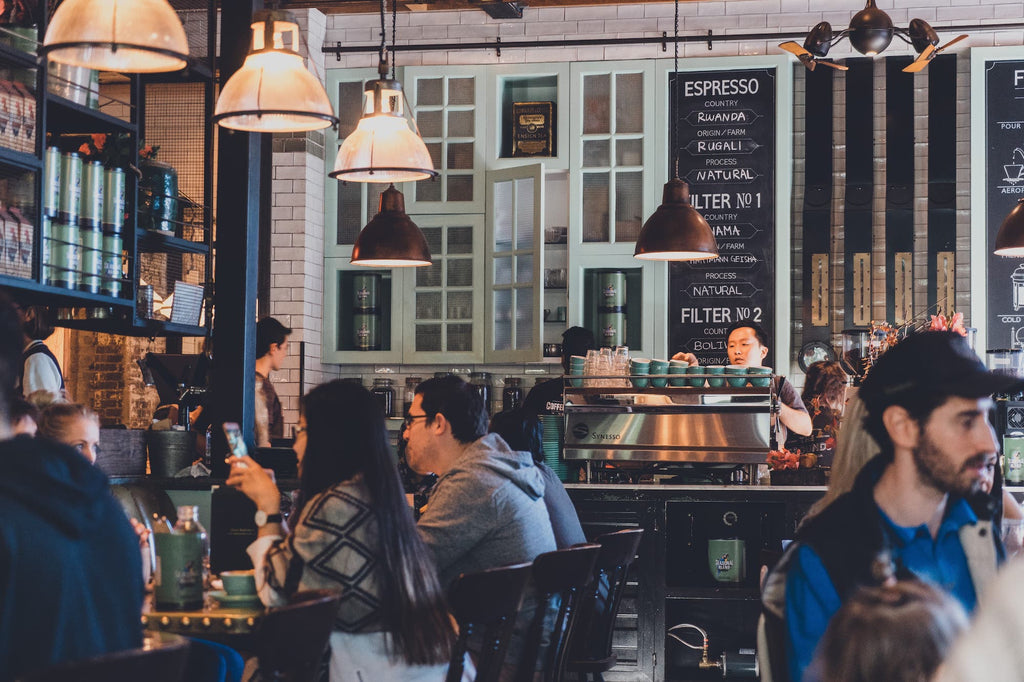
column 169, row 451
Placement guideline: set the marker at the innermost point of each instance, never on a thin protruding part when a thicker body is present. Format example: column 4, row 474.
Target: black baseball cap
column 940, row 363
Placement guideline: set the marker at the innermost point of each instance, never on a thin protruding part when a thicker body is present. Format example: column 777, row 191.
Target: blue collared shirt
column 812, row 600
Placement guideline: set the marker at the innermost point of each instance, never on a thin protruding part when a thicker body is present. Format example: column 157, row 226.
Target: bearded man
column 917, row 510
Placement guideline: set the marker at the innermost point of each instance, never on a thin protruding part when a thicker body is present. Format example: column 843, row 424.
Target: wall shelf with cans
column 124, row 246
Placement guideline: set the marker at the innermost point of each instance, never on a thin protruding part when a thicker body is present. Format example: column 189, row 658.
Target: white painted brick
column 433, row 18
column 591, row 12
column 474, row 31
column 432, row 33
column 632, row 11
column 551, row 14
column 281, row 212
column 589, row 54
column 590, row 27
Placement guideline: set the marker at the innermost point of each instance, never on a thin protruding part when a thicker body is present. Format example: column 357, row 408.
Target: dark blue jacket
column 70, row 566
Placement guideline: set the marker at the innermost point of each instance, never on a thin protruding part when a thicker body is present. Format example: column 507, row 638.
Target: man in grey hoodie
column 487, row 508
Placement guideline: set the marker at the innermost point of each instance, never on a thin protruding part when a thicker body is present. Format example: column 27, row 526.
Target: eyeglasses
column 410, row 418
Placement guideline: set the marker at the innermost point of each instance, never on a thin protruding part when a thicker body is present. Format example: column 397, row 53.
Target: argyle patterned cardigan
column 334, row 546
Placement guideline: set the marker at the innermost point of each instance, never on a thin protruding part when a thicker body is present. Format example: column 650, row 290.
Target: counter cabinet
column 671, row 581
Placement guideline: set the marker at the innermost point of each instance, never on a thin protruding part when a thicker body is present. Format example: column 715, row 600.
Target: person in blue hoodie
column 70, row 568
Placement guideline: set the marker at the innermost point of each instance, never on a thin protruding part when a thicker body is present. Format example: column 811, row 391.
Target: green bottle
column 180, row 559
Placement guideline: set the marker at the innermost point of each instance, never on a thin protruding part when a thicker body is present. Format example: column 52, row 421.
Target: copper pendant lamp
column 676, row 231
column 1010, row 238
column 391, row 239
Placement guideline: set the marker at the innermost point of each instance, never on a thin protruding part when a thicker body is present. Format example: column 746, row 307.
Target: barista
column 747, row 345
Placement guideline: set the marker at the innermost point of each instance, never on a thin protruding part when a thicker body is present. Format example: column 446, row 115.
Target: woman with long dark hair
column 353, row 532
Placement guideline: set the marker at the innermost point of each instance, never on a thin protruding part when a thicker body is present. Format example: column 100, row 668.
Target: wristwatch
column 262, row 518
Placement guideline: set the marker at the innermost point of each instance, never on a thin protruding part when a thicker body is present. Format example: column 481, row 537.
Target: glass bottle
column 385, row 393
column 410, row 392
column 512, row 396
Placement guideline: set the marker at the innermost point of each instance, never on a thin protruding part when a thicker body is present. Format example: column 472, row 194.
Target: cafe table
column 233, row 625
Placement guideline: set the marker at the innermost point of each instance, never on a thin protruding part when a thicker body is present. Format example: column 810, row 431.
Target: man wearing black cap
column 546, row 397
column 914, row 511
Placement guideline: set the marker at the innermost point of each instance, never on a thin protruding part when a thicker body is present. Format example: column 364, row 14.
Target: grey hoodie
column 487, row 511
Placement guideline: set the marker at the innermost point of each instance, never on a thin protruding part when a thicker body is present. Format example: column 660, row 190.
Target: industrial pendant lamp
column 676, row 231
column 386, row 145
column 1010, row 238
column 128, row 36
column 391, row 239
column 273, row 92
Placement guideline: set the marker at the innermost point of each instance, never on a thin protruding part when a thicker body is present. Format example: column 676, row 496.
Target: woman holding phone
column 353, row 532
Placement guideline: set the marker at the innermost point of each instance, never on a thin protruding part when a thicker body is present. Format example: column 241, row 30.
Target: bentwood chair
column 161, row 658
column 590, row 644
column 291, row 640
column 560, row 579
column 485, row 605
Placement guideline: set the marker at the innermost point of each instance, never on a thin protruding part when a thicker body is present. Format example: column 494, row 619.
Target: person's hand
column 255, row 483
column 141, row 531
column 688, row 358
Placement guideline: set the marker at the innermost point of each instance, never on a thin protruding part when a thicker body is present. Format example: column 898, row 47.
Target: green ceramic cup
column 715, row 381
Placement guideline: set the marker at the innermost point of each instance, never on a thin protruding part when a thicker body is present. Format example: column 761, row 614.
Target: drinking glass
column 1013, row 536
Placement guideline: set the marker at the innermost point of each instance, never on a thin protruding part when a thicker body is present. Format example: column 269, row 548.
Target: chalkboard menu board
column 1004, row 185
column 726, row 138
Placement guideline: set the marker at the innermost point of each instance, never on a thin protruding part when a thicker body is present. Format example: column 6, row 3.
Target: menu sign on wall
column 1004, row 151
column 726, row 138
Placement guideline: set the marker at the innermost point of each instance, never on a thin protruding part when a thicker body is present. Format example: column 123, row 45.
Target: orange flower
column 84, row 149
column 98, row 140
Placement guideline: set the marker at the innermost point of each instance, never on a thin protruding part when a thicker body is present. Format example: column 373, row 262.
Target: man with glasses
column 487, row 508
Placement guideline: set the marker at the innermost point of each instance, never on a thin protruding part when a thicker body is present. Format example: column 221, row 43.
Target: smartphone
column 235, row 441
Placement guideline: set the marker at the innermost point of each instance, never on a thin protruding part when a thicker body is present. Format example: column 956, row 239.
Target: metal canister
column 365, row 290
column 46, row 233
column 366, row 331
column 613, row 289
column 65, row 255
column 113, row 260
column 51, row 182
column 70, row 187
column 611, row 324
column 90, row 244
column 91, row 206
column 365, row 313
column 113, row 197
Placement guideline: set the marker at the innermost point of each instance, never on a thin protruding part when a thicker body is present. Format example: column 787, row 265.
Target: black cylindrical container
column 383, row 390
column 512, row 396
column 481, row 381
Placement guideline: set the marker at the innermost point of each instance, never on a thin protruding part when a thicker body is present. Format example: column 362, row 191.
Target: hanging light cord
column 675, row 99
column 394, row 33
column 382, row 50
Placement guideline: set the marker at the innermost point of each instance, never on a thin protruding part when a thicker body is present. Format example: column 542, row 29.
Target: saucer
column 239, row 600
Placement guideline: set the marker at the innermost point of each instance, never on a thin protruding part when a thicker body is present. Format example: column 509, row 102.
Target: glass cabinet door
column 444, row 305
column 515, row 264
column 610, row 118
column 448, row 110
column 348, row 205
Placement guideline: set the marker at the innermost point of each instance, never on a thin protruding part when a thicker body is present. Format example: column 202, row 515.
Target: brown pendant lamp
column 676, row 231
column 391, row 239
column 1010, row 238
